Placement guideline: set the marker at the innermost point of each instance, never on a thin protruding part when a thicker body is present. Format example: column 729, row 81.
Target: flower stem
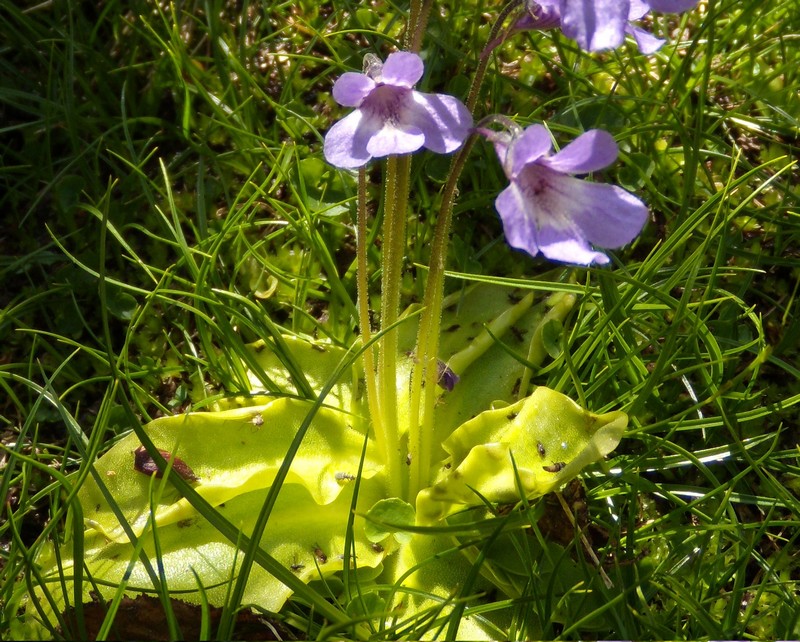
column 362, row 285
column 396, row 182
column 414, row 12
column 418, row 23
column 425, row 374
column 483, row 61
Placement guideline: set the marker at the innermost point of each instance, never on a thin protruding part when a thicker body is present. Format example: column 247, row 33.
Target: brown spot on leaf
column 143, row 618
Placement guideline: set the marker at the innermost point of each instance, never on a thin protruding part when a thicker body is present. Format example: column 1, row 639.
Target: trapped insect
column 321, row 557
column 144, row 463
column 555, row 468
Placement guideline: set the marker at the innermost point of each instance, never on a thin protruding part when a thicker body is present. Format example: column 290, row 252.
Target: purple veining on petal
column 540, row 15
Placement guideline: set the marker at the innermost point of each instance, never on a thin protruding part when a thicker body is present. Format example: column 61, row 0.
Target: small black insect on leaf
column 144, row 463
column 321, row 557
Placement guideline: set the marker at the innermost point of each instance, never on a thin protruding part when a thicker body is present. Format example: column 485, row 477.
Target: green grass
column 166, row 202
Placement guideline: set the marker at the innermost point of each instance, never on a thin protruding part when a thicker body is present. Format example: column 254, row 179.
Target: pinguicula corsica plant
column 380, row 473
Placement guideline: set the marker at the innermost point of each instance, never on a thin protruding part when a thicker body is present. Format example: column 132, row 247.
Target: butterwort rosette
column 599, row 24
column 390, row 117
column 547, row 209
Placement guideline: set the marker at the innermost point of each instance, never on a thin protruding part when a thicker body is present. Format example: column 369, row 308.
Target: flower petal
column 560, row 215
column 529, row 226
column 567, row 245
column 528, row 148
column 519, row 220
column 402, row 68
column 395, row 139
column 540, row 15
column 638, row 9
column 645, row 40
column 445, row 120
column 352, row 88
column 346, row 142
column 595, row 24
column 589, row 152
column 606, row 215
column 671, row 6
column 537, row 214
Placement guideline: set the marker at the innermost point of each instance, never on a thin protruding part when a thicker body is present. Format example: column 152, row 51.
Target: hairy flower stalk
column 425, row 374
column 362, row 285
column 419, row 14
column 391, row 119
column 398, row 169
column 423, row 377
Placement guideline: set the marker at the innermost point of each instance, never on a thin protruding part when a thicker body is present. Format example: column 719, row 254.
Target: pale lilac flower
column 546, row 210
column 390, row 117
column 599, row 24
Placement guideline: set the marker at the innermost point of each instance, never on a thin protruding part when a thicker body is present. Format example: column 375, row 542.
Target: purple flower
column 390, row 117
column 446, row 378
column 599, row 24
column 546, row 210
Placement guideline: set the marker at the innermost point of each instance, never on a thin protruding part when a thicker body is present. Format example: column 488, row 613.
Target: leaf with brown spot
column 143, row 618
